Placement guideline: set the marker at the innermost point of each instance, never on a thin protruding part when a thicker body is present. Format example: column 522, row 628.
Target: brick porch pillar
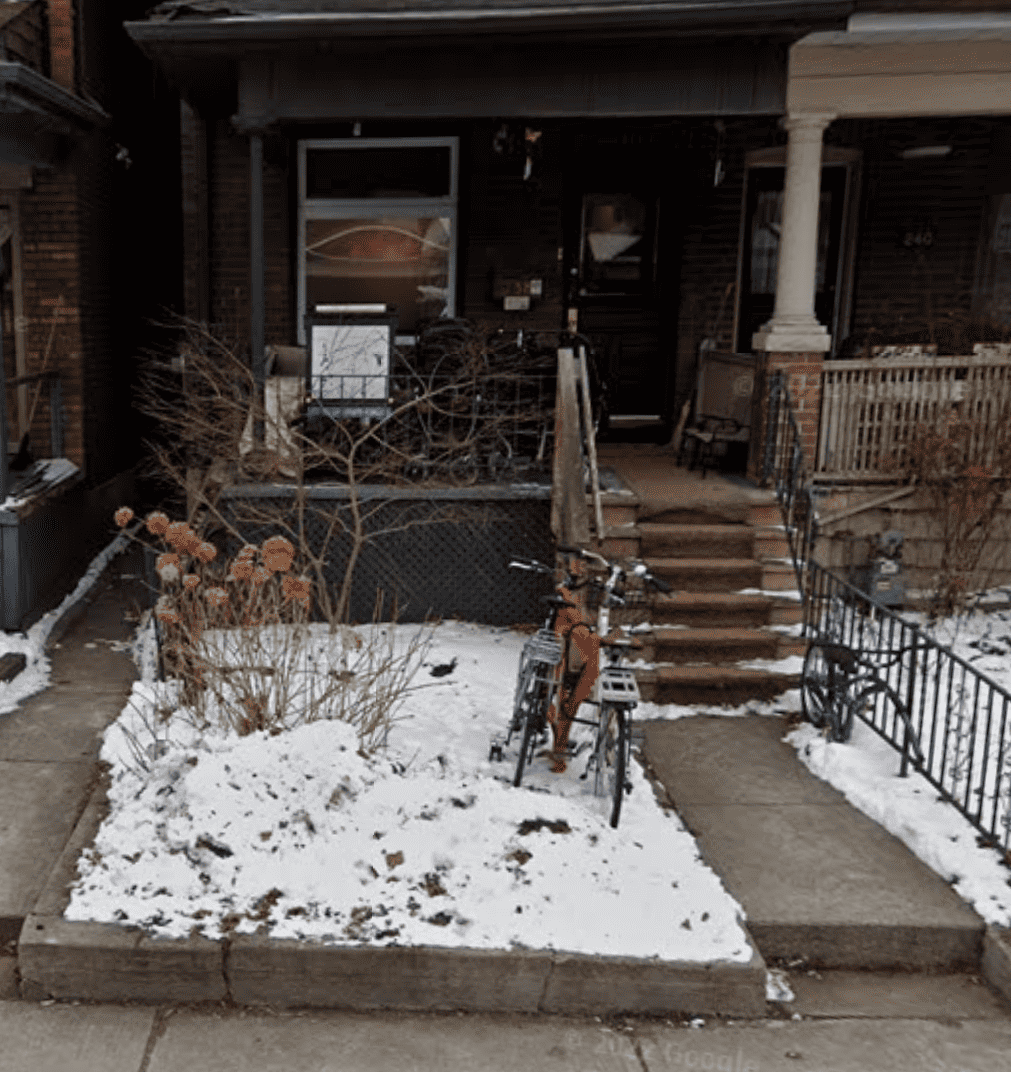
column 793, row 340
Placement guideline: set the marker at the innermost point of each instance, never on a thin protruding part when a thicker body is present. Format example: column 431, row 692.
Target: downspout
column 3, row 398
column 257, row 328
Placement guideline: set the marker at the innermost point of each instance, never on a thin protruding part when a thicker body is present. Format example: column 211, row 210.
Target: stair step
column 708, row 574
column 705, row 609
column 720, row 645
column 696, row 541
column 771, row 542
column 726, row 513
column 716, row 685
column 778, row 576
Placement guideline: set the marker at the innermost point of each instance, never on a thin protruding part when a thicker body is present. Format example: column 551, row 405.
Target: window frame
column 374, row 208
column 832, row 156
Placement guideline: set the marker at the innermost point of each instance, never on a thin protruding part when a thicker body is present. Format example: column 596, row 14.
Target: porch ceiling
column 589, row 79
column 892, row 74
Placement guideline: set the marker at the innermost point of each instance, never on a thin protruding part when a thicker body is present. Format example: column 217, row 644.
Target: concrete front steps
column 728, row 564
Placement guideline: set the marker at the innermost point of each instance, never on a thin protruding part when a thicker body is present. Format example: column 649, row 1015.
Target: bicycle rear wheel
column 611, row 756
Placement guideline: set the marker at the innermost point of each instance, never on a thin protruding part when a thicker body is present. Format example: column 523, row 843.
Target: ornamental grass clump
column 235, row 635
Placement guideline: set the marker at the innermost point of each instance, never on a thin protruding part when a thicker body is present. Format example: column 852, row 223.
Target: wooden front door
column 619, row 256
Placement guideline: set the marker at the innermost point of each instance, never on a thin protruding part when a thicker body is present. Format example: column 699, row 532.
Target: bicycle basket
column 544, row 647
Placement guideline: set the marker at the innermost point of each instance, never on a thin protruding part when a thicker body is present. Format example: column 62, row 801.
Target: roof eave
column 758, row 17
column 25, row 90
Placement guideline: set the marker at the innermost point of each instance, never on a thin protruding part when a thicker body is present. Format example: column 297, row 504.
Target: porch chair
column 721, row 413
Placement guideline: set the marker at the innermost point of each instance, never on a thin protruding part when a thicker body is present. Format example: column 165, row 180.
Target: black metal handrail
column 783, row 466
column 961, row 718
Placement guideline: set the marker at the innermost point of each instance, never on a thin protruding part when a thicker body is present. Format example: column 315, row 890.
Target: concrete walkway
column 49, row 746
column 819, row 881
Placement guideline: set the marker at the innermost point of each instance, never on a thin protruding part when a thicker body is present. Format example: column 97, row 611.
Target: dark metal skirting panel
column 444, row 557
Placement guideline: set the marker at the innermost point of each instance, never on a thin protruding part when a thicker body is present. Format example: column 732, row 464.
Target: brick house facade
column 82, row 164
column 906, row 227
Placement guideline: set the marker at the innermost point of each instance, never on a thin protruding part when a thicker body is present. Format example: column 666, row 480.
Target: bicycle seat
column 557, row 601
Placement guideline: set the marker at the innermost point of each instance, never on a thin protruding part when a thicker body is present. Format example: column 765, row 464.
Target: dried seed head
column 217, row 597
column 169, row 573
column 242, row 570
column 190, row 581
column 165, row 611
column 206, row 552
column 123, row 516
column 299, row 588
column 157, row 523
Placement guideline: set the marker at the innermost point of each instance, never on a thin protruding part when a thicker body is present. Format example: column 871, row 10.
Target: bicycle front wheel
column 533, row 711
column 816, row 686
column 611, row 756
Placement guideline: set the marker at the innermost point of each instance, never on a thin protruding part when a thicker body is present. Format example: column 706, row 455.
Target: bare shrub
column 961, row 462
column 456, row 413
column 236, row 637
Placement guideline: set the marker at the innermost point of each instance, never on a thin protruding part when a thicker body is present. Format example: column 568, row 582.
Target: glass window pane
column 613, row 248
column 399, row 261
column 348, row 174
column 992, row 293
column 765, row 227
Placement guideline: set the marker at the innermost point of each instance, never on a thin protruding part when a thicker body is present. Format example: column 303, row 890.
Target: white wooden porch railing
column 869, row 408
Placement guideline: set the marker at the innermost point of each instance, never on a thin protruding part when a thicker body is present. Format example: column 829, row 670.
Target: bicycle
column 838, row 682
column 537, row 679
column 617, row 691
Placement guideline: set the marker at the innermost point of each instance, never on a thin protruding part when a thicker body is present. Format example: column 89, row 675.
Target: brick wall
column 512, row 227
column 95, row 258
column 228, row 169
column 710, row 250
column 62, row 50
column 909, row 294
column 51, row 240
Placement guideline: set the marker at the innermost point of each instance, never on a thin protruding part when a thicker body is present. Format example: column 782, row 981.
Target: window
column 377, row 224
column 758, row 265
column 992, row 293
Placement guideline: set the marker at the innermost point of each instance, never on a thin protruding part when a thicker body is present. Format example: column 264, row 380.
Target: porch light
column 925, row 151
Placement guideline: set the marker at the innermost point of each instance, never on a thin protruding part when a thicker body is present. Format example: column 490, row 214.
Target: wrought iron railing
column 784, row 468
column 960, row 719
column 952, row 722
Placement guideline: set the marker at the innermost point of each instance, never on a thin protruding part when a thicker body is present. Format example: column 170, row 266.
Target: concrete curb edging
column 107, row 962
column 995, row 964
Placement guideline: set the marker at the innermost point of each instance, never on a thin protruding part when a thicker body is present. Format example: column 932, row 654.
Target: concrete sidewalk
column 818, row 880
column 104, row 1038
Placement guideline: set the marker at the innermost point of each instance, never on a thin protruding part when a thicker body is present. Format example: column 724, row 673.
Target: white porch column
column 793, row 327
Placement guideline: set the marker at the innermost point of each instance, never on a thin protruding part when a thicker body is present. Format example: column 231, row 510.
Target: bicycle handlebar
column 530, row 564
column 639, row 570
